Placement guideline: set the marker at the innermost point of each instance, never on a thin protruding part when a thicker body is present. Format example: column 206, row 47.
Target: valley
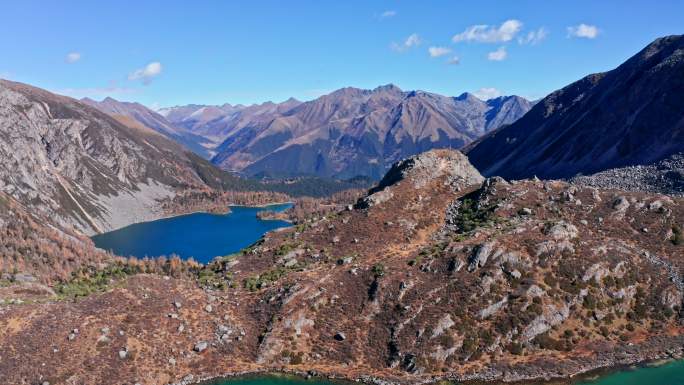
column 369, row 235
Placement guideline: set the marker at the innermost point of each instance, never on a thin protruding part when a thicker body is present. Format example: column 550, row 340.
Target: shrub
column 469, row 216
column 378, row 270
column 89, row 280
column 515, row 348
column 260, row 281
column 677, row 236
column 545, row 341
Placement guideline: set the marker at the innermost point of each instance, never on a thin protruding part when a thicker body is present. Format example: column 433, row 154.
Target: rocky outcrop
column 422, row 169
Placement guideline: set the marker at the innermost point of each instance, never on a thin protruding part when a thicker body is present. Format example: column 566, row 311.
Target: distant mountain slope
column 217, row 122
column 351, row 131
column 155, row 121
column 631, row 115
column 83, row 169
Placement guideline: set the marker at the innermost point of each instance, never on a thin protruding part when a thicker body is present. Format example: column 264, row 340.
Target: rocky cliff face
column 81, row 168
column 347, row 133
column 632, row 115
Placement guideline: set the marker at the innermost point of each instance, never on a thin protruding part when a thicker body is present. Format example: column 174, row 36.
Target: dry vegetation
column 434, row 280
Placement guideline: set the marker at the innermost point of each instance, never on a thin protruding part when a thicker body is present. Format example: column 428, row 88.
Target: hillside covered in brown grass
column 436, row 273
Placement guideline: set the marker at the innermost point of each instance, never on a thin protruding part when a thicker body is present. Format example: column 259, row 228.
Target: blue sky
column 164, row 53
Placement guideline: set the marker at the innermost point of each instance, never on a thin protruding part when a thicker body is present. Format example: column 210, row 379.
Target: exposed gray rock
column 561, row 231
column 444, row 323
column 481, row 255
column 552, row 315
column 620, row 203
column 665, row 177
column 422, row 169
column 493, row 308
column 201, row 346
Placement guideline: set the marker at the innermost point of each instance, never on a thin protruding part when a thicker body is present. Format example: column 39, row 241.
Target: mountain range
column 85, row 169
column 347, row 133
column 153, row 120
column 632, row 115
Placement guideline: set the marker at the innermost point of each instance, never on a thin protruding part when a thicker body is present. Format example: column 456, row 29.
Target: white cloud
column 487, row 93
column 412, row 41
column 454, row 60
column 534, row 37
column 73, row 57
column 490, row 34
column 584, row 31
column 438, row 51
column 147, row 73
column 387, row 14
column 498, row 55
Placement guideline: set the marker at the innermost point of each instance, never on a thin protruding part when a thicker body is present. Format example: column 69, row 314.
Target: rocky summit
column 437, row 274
column 630, row 116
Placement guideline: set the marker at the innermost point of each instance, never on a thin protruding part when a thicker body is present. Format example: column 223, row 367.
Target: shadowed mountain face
column 631, row 115
column 346, row 133
column 155, row 121
column 83, row 169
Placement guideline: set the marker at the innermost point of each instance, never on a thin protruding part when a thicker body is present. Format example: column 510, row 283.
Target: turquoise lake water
column 668, row 374
column 201, row 236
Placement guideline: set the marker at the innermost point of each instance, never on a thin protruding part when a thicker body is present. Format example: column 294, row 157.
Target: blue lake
column 201, row 236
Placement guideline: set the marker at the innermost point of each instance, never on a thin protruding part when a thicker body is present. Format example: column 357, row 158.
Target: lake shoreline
column 581, row 375
column 199, row 211
column 210, row 211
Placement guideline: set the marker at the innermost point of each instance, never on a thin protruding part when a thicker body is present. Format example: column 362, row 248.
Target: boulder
column 561, row 231
column 481, row 255
column 620, row 203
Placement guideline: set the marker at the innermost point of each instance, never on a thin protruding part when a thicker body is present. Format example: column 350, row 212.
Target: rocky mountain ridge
column 347, row 133
column 632, row 115
column 154, row 121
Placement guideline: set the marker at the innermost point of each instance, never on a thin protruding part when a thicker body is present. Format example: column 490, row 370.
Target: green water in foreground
column 668, row 374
